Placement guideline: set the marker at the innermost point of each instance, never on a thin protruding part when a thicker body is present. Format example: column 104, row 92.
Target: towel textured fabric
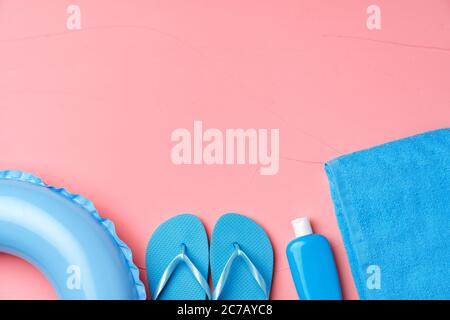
column 392, row 204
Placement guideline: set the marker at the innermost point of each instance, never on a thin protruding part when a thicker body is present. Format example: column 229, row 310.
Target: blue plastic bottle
column 312, row 264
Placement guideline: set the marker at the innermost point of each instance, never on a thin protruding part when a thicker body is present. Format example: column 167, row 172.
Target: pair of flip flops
column 179, row 258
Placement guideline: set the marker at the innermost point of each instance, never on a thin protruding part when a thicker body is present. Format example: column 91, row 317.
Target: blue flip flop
column 241, row 259
column 177, row 260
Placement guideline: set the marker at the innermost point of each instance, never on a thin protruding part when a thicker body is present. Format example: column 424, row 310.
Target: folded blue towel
column 392, row 204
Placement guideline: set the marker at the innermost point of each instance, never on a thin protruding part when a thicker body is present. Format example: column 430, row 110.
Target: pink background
column 93, row 110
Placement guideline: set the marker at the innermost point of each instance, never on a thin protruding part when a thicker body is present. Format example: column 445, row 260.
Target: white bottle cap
column 302, row 227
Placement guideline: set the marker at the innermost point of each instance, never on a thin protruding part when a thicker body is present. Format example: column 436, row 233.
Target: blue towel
column 392, row 204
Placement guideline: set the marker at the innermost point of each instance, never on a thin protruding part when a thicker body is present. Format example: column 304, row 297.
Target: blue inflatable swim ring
column 63, row 235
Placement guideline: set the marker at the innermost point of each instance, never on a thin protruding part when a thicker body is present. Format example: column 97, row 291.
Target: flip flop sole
column 165, row 243
column 252, row 239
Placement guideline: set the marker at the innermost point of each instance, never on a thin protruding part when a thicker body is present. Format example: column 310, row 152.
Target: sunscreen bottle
column 312, row 264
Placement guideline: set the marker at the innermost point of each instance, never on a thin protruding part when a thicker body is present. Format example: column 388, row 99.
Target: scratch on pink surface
column 93, row 28
column 388, row 42
column 173, row 37
column 303, row 132
column 303, row 161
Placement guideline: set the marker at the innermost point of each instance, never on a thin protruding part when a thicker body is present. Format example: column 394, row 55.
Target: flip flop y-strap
column 226, row 272
column 179, row 258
